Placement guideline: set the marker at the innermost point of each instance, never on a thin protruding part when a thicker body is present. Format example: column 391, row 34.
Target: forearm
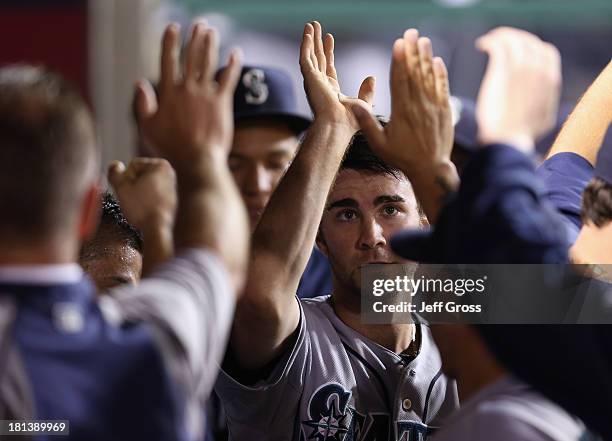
column 211, row 214
column 283, row 240
column 585, row 128
column 268, row 314
column 158, row 244
column 432, row 185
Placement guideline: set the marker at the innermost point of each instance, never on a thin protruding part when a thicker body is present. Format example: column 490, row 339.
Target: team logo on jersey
column 256, row 88
column 332, row 418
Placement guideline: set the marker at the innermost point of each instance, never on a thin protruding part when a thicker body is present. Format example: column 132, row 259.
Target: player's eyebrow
column 385, row 199
column 346, row 202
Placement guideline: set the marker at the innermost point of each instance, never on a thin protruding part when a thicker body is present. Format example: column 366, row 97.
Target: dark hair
column 113, row 224
column 359, row 156
column 47, row 153
column 597, row 202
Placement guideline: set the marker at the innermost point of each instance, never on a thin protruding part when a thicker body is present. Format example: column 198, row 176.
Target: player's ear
column 321, row 244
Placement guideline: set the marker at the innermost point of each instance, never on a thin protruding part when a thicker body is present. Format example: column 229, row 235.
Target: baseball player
column 309, row 369
column 136, row 365
column 499, row 179
column 114, row 255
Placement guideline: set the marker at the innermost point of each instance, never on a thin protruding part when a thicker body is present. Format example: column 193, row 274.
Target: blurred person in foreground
column 139, row 364
column 501, row 214
column 495, row 405
column 579, row 187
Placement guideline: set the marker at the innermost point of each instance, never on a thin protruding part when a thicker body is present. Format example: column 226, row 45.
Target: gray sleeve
column 189, row 305
column 269, row 405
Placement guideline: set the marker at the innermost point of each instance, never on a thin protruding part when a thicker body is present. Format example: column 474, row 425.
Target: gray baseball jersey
column 335, row 384
column 510, row 410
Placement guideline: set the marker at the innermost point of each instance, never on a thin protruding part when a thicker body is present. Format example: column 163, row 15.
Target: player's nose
column 371, row 235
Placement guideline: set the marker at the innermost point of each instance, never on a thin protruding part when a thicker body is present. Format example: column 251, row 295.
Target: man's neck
column 593, row 245
column 395, row 337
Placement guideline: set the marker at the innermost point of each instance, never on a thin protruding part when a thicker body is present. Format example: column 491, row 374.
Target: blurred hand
column 321, row 81
column 519, row 94
column 146, row 190
column 419, row 136
column 193, row 117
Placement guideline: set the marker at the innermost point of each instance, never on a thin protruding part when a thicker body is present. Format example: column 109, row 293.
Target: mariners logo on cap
column 256, row 88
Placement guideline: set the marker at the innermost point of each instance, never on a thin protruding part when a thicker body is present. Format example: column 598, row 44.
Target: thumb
column 366, row 90
column 146, row 100
column 116, row 173
column 370, row 126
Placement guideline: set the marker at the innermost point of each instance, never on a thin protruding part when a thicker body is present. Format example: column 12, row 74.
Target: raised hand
column 193, row 116
column 519, row 94
column 146, row 190
column 419, row 136
column 321, row 81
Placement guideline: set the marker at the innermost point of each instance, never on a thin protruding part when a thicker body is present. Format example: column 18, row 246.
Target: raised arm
column 268, row 314
column 188, row 301
column 586, row 127
column 419, row 137
column 192, row 127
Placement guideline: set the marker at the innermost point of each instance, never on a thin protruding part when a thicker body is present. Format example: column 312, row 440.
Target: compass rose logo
column 331, row 415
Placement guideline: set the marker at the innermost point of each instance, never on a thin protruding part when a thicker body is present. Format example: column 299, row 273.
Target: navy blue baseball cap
column 268, row 92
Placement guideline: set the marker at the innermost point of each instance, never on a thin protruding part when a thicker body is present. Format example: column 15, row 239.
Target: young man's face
column 261, row 153
column 363, row 211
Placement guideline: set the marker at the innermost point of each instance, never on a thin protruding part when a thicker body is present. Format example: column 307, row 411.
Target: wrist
column 200, row 169
column 335, row 126
column 159, row 220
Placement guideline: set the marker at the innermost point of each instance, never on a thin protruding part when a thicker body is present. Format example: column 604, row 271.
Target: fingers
column 318, row 47
column 170, row 57
column 118, row 173
column 370, row 126
column 366, row 90
column 442, row 91
column 202, row 55
column 328, row 47
column 194, row 52
column 308, row 62
column 400, row 92
column 426, row 65
column 210, row 58
column 411, row 37
column 229, row 76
